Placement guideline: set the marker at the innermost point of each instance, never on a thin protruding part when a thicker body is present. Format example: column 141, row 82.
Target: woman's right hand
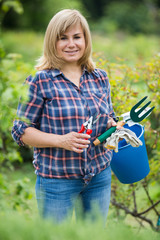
column 74, row 141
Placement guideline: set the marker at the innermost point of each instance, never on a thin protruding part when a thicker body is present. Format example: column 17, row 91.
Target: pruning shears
column 87, row 126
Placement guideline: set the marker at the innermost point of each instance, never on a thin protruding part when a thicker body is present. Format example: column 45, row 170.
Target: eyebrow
column 73, row 35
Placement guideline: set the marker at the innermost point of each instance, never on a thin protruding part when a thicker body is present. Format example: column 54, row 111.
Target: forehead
column 73, row 29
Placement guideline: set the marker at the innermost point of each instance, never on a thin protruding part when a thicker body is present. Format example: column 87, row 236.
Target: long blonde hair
column 56, row 27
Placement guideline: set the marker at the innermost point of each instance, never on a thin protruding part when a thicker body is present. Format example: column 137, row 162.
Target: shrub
column 128, row 85
column 132, row 17
column 12, row 71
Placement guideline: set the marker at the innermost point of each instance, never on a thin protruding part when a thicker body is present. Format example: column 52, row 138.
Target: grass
column 18, row 227
column 22, row 170
column 132, row 49
column 28, row 44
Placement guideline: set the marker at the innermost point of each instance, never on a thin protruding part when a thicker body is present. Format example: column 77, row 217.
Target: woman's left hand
column 112, row 123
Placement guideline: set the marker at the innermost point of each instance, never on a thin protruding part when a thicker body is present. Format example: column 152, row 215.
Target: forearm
column 36, row 138
column 71, row 141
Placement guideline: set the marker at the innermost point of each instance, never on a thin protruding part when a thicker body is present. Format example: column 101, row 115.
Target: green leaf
column 16, row 5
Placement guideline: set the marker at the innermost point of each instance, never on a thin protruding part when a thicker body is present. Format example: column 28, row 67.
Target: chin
column 72, row 60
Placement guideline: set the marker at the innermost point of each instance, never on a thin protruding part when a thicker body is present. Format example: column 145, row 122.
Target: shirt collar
column 85, row 70
column 56, row 72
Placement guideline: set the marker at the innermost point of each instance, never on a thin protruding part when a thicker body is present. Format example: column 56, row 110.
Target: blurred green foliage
column 132, row 50
column 12, row 72
column 37, row 13
column 132, row 17
column 19, row 227
column 17, row 189
column 7, row 5
column 17, row 195
column 141, row 16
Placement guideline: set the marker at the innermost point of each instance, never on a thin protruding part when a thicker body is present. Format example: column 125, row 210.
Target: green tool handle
column 107, row 134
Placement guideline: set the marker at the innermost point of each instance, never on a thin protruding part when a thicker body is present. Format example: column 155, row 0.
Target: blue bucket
column 130, row 164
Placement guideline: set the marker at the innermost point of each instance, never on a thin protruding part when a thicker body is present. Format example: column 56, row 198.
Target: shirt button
column 92, row 174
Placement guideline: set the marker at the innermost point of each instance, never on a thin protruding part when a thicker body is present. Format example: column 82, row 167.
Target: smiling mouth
column 71, row 52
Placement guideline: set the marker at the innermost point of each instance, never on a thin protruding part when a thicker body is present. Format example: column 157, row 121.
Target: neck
column 73, row 73
column 68, row 68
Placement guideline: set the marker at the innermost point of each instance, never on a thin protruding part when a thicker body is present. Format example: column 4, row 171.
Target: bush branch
column 134, row 214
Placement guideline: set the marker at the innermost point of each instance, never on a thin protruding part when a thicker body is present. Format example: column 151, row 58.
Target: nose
column 71, row 42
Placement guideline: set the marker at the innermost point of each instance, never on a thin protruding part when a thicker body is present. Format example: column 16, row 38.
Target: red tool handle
column 89, row 131
column 82, row 129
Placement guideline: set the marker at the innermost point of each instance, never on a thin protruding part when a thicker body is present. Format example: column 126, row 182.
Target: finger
column 120, row 124
column 83, row 135
column 77, row 150
column 114, row 124
column 110, row 123
column 82, row 141
column 81, row 146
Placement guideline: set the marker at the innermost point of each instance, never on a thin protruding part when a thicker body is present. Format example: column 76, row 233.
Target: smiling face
column 71, row 45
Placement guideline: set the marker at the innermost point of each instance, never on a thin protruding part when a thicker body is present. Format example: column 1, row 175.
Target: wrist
column 56, row 140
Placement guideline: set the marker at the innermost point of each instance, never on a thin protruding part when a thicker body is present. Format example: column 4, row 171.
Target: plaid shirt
column 56, row 105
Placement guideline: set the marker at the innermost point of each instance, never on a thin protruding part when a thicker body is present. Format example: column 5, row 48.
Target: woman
column 66, row 91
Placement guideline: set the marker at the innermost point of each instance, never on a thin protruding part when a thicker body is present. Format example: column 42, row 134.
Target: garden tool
column 136, row 115
column 87, row 126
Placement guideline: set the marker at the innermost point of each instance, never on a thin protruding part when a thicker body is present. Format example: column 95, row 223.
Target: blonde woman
column 65, row 92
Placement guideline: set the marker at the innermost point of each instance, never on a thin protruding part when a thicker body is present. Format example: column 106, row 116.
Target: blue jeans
column 57, row 198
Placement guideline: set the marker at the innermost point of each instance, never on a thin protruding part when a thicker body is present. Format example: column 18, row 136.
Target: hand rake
column 136, row 115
